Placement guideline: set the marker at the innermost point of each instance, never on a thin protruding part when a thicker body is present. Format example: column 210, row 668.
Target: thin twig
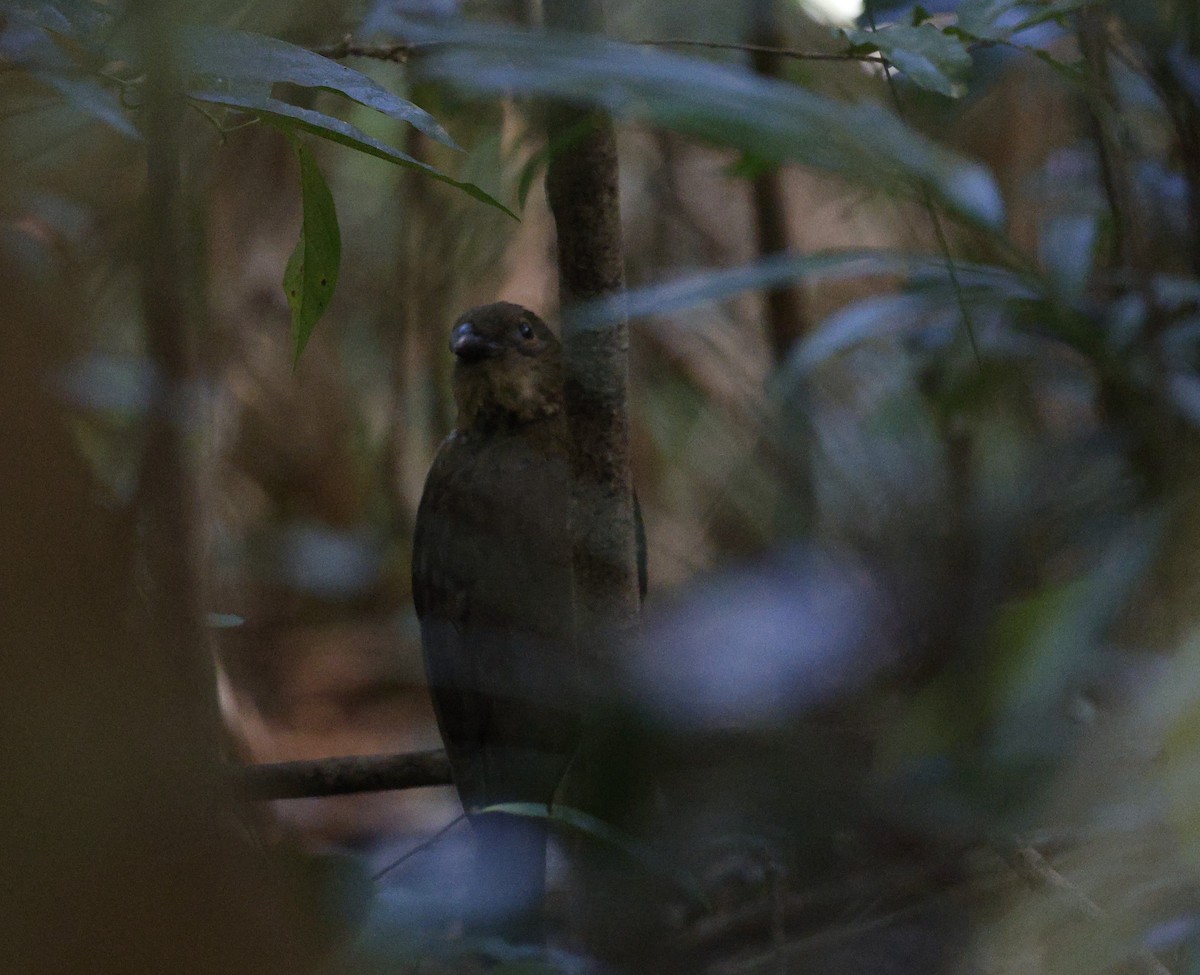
column 346, row 48
column 400, row 52
column 782, row 52
column 423, row 845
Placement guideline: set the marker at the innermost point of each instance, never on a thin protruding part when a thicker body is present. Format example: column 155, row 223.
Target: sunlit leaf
column 925, row 55
column 724, row 103
column 312, row 270
column 236, row 59
column 327, row 127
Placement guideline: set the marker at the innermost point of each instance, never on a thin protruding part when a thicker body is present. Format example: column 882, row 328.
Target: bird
column 492, row 587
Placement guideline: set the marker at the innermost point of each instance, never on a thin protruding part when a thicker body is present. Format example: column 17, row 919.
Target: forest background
column 913, row 391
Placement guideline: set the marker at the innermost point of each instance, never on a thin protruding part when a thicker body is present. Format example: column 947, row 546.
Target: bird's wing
column 441, row 586
column 491, row 585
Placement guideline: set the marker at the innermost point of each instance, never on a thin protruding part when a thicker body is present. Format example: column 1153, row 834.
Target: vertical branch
column 581, row 185
column 786, row 319
column 168, row 492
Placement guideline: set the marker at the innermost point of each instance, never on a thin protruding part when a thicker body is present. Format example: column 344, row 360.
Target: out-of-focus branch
column 167, row 492
column 786, row 319
column 342, row 776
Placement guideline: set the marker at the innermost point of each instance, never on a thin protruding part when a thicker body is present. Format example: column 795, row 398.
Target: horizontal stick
column 342, row 776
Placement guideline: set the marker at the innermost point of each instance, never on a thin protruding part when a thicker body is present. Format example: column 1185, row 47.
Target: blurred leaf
column 30, row 46
column 611, row 837
column 312, row 270
column 26, row 41
column 527, row 967
column 1068, row 246
column 290, row 117
column 985, row 281
column 1000, row 20
column 870, row 318
column 72, row 18
column 91, row 99
column 907, row 312
column 749, row 166
column 1174, row 705
column 1004, row 715
column 982, row 18
column 1055, row 10
column 709, row 286
column 724, row 103
column 925, row 55
column 1187, row 72
column 243, row 61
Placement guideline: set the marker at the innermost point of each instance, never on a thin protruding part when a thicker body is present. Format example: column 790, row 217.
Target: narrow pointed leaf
column 233, row 60
column 91, row 99
column 312, row 270
column 291, row 117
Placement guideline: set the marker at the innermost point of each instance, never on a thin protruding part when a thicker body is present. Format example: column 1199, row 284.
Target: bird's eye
column 526, row 330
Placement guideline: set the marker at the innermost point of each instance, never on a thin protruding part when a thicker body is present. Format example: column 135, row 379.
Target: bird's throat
column 489, row 397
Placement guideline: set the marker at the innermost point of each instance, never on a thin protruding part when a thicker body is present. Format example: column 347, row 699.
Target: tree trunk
column 581, row 185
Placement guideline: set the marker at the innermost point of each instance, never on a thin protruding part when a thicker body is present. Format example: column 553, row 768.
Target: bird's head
column 508, row 367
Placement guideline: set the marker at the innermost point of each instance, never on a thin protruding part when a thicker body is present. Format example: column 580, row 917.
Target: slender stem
column 167, row 492
column 939, row 231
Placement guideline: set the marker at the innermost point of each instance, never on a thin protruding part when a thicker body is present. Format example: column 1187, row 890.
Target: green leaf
column 312, row 270
column 609, row 835
column 724, row 103
column 237, row 60
column 291, row 117
column 925, row 55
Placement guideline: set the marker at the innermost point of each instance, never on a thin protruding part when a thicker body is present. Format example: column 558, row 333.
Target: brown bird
column 493, row 591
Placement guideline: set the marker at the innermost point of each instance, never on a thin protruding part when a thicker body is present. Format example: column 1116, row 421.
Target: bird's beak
column 470, row 346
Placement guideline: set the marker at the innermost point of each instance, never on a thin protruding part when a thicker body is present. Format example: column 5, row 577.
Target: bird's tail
column 510, row 878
